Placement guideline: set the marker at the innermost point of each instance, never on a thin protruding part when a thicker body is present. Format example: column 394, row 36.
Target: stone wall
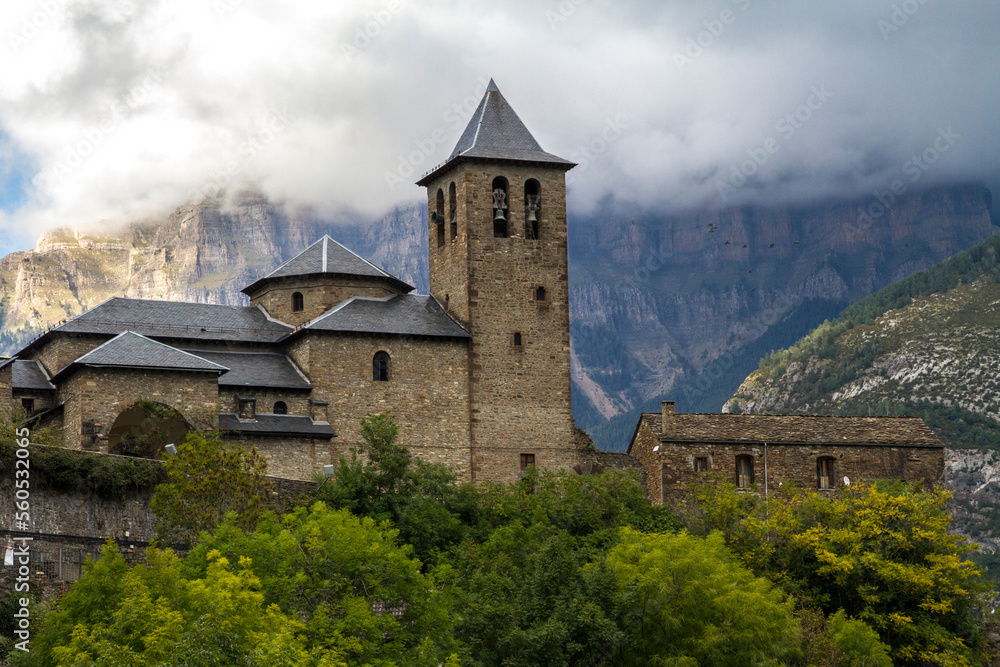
column 296, row 401
column 427, row 391
column 319, row 295
column 520, row 394
column 641, row 448
column 288, row 457
column 101, row 394
column 63, row 349
column 796, row 464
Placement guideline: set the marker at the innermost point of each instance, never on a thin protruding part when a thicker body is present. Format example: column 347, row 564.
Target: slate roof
column 256, row 369
column 269, row 424
column 496, row 132
column 30, row 375
column 324, row 257
column 130, row 350
column 404, row 314
column 795, row 429
column 178, row 319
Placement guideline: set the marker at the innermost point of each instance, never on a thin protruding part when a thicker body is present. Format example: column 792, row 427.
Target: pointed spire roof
column 327, row 257
column 495, row 132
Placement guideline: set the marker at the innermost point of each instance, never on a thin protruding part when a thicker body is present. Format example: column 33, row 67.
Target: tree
column 357, row 592
column 881, row 552
column 206, row 481
column 696, row 605
column 150, row 615
column 422, row 500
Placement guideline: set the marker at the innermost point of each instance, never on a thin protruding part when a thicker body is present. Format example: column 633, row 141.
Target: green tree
column 880, row 552
column 694, row 604
column 357, row 592
column 150, row 615
column 207, row 480
column 424, row 501
column 857, row 642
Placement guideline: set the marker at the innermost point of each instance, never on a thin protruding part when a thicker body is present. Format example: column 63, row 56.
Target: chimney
column 667, row 418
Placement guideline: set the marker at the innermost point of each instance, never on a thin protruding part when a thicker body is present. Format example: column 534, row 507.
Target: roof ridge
column 330, row 312
column 366, row 261
column 294, row 257
column 129, row 332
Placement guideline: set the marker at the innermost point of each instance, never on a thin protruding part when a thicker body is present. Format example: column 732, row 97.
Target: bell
column 532, row 217
column 499, row 215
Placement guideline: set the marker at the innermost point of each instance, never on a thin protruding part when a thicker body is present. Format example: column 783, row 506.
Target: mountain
column 679, row 306
column 690, row 303
column 928, row 345
column 204, row 253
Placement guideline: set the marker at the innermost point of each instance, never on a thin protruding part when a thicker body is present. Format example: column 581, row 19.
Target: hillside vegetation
column 926, row 346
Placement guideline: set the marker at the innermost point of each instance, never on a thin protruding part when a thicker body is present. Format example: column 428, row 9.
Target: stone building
column 477, row 374
column 765, row 451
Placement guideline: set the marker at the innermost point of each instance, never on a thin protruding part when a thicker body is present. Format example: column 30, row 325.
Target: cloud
column 125, row 108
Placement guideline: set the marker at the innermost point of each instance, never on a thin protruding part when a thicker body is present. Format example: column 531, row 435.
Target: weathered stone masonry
column 781, row 449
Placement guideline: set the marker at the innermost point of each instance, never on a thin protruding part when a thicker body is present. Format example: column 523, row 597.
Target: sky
column 119, row 109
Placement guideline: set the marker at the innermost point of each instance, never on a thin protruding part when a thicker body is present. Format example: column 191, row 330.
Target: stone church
column 477, row 373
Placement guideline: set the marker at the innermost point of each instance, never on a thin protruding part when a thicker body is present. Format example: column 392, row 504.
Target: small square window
column 517, row 339
column 701, row 464
column 29, row 405
column 527, row 461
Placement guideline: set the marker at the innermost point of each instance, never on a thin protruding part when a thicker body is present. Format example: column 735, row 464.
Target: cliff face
column 198, row 253
column 693, row 302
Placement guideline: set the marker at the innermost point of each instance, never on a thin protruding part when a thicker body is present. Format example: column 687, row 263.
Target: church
column 477, row 374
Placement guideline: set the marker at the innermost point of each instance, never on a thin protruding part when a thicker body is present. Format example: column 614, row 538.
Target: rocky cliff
column 694, row 301
column 928, row 345
column 203, row 253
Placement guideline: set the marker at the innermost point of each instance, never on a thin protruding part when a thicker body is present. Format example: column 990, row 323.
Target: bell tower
column 498, row 264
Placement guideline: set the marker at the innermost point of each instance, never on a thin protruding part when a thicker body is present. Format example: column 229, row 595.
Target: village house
column 762, row 452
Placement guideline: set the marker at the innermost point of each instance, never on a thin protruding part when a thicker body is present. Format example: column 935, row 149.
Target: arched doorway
column 145, row 428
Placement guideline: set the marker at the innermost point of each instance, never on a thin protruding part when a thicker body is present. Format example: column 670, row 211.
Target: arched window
column 500, row 207
column 824, row 472
column 280, row 408
column 453, row 211
column 380, row 367
column 744, row 471
column 539, row 293
column 439, row 217
column 532, row 208
column 298, row 303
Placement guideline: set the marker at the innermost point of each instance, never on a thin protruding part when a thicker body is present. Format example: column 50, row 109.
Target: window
column 517, row 339
column 701, row 464
column 438, row 217
column 298, row 303
column 744, row 471
column 28, row 404
column 540, row 294
column 246, row 407
column 453, row 211
column 532, row 206
column 280, row 408
column 380, row 367
column 527, row 461
column 824, row 472
column 500, row 208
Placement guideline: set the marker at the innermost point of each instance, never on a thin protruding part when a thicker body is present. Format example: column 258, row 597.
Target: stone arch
column 144, row 428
